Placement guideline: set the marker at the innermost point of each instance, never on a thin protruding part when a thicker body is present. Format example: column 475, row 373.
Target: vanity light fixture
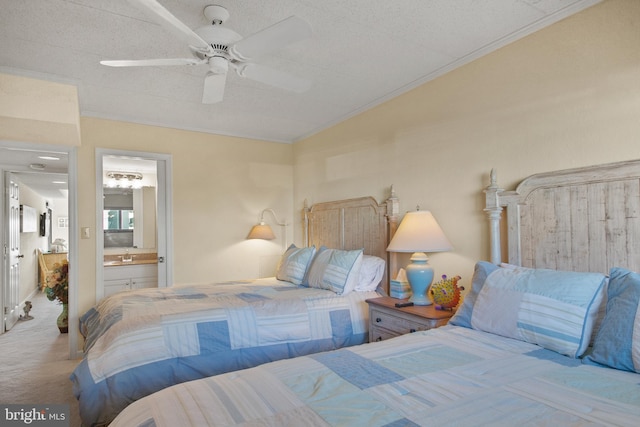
column 124, row 180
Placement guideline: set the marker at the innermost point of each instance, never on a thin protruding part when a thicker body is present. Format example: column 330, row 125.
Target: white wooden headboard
column 584, row 219
column 354, row 224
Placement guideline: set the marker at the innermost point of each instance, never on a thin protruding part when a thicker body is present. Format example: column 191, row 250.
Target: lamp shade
column 261, row 231
column 419, row 232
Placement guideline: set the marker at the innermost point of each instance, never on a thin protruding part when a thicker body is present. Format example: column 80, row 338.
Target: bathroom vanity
column 130, row 271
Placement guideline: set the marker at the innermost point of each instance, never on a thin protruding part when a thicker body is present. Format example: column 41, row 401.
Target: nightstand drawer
column 388, row 321
column 379, row 334
column 393, row 323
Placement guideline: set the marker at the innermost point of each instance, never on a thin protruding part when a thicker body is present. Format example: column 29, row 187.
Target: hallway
column 34, row 360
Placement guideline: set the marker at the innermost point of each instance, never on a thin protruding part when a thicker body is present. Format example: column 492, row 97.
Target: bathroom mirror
column 129, row 200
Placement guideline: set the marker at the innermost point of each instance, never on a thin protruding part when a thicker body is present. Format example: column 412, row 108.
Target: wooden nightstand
column 388, row 321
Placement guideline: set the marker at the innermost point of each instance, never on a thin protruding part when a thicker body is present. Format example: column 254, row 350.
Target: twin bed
column 143, row 341
column 547, row 335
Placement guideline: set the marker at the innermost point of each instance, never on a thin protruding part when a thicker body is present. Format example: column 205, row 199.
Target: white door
column 163, row 222
column 11, row 279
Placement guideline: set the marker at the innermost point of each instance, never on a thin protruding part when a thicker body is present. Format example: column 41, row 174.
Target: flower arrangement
column 58, row 283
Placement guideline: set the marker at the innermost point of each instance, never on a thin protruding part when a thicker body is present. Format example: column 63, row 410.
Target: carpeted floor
column 34, row 360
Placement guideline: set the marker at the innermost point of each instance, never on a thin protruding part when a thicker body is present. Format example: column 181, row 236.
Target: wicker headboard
column 584, row 219
column 354, row 224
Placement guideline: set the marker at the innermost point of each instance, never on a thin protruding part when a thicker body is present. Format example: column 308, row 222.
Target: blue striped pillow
column 336, row 270
column 462, row 317
column 616, row 345
column 554, row 309
column 294, row 263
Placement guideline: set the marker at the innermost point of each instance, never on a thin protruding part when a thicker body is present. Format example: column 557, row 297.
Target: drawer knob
column 378, row 320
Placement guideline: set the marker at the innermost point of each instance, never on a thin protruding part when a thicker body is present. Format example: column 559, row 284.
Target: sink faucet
column 127, row 257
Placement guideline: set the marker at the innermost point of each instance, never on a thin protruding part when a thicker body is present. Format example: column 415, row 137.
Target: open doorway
column 38, row 217
column 46, row 177
column 133, row 206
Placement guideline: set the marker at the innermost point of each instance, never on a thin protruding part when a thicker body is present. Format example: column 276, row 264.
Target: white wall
column 59, row 211
column 30, row 243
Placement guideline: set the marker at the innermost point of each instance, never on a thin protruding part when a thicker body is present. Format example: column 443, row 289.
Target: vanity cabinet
column 128, row 277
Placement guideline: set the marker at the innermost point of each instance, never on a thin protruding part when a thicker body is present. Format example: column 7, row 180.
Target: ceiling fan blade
column 166, row 19
column 272, row 38
column 272, row 77
column 213, row 91
column 153, row 62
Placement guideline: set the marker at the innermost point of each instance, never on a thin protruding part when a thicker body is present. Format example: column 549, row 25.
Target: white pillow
column 371, row 272
column 294, row 263
column 335, row 270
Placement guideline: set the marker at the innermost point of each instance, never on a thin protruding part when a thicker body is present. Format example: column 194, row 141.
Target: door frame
column 164, row 241
column 72, row 186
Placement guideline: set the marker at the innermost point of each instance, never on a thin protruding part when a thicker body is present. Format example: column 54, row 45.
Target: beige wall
column 220, row 186
column 38, row 111
column 564, row 97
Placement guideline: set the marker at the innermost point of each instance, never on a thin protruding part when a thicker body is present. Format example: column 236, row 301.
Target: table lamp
column 419, row 232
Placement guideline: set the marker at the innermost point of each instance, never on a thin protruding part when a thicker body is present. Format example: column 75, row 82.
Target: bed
column 139, row 342
column 545, row 335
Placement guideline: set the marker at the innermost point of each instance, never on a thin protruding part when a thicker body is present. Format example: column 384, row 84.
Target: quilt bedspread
column 140, row 342
column 447, row 376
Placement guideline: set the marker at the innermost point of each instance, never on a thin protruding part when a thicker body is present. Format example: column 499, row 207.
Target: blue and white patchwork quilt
column 142, row 341
column 450, row 376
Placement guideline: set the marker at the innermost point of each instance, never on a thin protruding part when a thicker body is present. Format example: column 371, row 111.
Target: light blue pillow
column 616, row 345
column 335, row 270
column 556, row 310
column 511, row 309
column 464, row 312
column 294, row 263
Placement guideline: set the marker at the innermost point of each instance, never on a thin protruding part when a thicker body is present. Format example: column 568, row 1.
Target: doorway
column 50, row 160
column 133, row 166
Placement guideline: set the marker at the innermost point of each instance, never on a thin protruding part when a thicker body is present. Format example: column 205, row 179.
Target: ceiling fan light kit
column 219, row 47
column 216, row 14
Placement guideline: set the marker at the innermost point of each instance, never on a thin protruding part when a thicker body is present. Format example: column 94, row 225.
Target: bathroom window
column 118, row 219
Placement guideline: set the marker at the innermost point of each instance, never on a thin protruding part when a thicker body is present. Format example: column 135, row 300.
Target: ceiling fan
column 220, row 48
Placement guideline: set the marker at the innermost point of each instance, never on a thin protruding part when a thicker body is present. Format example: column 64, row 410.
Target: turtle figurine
column 446, row 293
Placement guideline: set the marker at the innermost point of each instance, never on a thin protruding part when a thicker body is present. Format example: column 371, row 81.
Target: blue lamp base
column 420, row 276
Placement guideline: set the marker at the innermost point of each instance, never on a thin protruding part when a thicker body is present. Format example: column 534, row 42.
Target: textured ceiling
column 362, row 53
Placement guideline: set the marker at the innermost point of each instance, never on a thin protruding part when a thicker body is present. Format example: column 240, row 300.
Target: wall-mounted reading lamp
column 263, row 230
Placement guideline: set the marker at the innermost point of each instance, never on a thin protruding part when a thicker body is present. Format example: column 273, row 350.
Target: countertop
column 136, row 259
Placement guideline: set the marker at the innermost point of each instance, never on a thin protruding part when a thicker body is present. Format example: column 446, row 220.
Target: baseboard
column 31, row 295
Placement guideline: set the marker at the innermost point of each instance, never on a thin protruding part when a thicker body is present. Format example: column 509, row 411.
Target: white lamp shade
column 419, row 232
